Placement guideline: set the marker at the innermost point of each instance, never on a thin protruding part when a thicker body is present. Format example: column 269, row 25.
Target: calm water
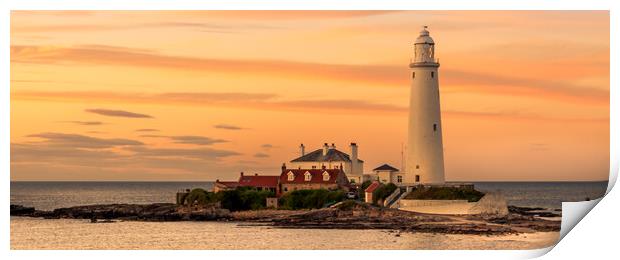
column 50, row 195
column 31, row 233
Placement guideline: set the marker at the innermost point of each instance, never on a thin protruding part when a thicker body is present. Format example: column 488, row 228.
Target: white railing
column 396, row 203
column 390, row 198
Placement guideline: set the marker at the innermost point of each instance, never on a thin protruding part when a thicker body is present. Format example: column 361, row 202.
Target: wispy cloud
column 84, row 122
column 83, row 141
column 228, row 127
column 147, row 130
column 191, row 153
column 380, row 75
column 269, row 102
column 198, row 140
column 117, row 113
column 261, row 155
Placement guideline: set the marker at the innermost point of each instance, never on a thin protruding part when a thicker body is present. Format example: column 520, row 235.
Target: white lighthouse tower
column 425, row 147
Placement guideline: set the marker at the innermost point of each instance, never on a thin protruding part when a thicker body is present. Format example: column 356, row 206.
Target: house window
column 434, row 127
column 313, row 166
column 307, row 176
column 417, row 178
column 413, row 75
column 432, row 74
column 399, row 179
column 285, row 189
column 291, row 176
column 325, row 176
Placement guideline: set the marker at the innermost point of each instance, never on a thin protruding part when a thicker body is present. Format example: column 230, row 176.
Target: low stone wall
column 493, row 203
column 427, row 203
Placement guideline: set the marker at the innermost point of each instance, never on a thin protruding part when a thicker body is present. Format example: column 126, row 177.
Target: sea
column 32, row 233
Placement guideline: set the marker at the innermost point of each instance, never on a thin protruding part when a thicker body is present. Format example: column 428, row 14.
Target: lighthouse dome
column 424, row 37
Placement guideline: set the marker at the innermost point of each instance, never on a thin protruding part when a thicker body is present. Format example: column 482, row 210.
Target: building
column 388, row 174
column 425, row 148
column 370, row 190
column 260, row 182
column 329, row 157
column 312, row 179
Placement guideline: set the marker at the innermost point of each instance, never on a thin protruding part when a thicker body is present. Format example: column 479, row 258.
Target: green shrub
column 199, row 197
column 243, row 198
column 310, row 199
column 383, row 192
column 445, row 193
column 360, row 192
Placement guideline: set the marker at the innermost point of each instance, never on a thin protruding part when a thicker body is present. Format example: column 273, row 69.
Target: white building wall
column 352, row 174
column 425, row 146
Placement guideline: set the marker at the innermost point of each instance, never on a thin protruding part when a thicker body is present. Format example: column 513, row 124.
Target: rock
column 19, row 210
column 146, row 212
column 492, row 204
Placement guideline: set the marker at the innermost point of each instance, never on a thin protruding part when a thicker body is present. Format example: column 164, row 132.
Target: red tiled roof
column 317, row 175
column 258, row 181
column 372, row 187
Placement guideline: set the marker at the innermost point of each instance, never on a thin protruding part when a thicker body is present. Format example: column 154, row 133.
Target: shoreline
column 354, row 215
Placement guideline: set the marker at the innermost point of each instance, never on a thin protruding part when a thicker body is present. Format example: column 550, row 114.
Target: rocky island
column 343, row 215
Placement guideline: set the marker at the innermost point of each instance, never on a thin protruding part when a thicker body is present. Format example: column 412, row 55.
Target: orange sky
column 199, row 95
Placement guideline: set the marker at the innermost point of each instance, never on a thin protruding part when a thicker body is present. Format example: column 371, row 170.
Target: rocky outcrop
column 17, row 210
column 493, row 204
column 148, row 212
column 364, row 216
column 344, row 215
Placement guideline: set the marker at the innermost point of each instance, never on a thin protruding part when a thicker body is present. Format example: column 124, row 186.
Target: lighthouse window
column 413, row 75
column 435, row 127
column 417, row 166
column 417, row 178
column 432, row 74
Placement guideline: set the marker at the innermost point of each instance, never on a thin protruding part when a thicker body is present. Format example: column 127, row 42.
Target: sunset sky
column 199, row 95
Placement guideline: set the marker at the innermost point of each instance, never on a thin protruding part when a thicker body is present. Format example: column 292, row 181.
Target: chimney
column 325, row 147
column 323, row 167
column 283, row 167
column 241, row 174
column 353, row 158
column 255, row 174
column 302, row 150
column 333, row 146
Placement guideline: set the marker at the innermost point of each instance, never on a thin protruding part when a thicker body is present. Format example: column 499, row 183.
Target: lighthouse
column 425, row 147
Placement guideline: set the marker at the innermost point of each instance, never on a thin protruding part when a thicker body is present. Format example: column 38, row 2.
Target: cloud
column 82, row 141
column 270, row 102
column 154, row 136
column 120, row 56
column 264, row 101
column 198, row 140
column 261, row 155
column 539, row 147
column 147, row 130
column 83, row 122
column 267, row 146
column 88, row 157
column 188, row 153
column 228, row 127
column 117, row 113
column 379, row 75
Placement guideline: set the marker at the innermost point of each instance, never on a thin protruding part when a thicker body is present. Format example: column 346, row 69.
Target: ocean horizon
column 48, row 195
